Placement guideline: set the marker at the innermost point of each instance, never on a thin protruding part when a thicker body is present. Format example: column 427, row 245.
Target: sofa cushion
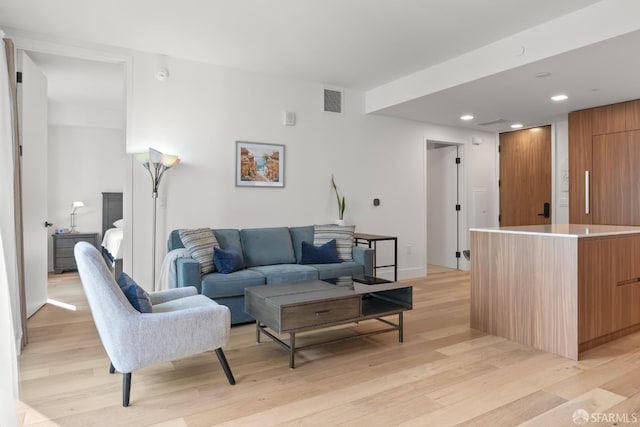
column 227, row 260
column 216, row 285
column 343, row 235
column 228, row 238
column 284, row 273
column 323, row 254
column 331, row 271
column 200, row 243
column 267, row 246
column 299, row 235
column 138, row 297
column 174, row 241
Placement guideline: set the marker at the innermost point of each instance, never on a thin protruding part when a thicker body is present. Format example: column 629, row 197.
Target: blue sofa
column 271, row 255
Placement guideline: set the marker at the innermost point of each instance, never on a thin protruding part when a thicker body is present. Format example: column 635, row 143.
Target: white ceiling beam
column 601, row 21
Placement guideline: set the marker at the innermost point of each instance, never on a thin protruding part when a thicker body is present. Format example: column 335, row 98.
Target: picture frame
column 259, row 164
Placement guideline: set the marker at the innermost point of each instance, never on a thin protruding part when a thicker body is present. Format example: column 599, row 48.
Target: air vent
column 494, row 122
column 332, row 102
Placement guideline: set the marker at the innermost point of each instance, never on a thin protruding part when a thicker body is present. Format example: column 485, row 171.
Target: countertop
column 567, row 230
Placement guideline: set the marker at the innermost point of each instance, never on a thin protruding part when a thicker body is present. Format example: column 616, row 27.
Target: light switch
column 289, row 118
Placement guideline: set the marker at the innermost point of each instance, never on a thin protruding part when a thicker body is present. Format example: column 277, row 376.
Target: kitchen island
column 562, row 288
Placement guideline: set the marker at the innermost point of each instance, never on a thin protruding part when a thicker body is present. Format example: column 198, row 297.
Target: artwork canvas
column 259, row 165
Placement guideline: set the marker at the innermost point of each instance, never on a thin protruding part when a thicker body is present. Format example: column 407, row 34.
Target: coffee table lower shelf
column 291, row 345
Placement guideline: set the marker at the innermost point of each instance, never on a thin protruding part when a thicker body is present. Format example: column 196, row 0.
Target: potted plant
column 341, row 202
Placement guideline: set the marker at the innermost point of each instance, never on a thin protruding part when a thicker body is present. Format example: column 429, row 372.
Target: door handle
column 547, row 210
column 586, row 192
column 48, row 224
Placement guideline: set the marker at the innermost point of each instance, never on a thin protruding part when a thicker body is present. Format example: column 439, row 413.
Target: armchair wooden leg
column 225, row 366
column 126, row 389
column 112, row 369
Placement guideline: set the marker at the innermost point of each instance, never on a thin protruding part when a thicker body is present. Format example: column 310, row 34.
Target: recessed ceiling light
column 542, row 75
column 516, row 126
column 560, row 97
column 466, row 117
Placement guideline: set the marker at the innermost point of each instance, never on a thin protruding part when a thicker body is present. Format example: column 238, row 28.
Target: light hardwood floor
column 443, row 374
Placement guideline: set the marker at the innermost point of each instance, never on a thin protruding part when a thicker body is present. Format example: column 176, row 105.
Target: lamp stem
column 153, row 248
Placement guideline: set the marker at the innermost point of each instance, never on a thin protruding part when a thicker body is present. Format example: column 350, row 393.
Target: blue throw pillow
column 227, row 260
column 138, row 297
column 323, row 254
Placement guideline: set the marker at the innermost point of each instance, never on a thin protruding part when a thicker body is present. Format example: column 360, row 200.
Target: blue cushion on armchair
column 138, row 297
column 227, row 260
column 323, row 254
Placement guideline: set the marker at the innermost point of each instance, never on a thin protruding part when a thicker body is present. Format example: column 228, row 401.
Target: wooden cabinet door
column 633, row 115
column 525, row 176
column 615, row 179
column 580, row 134
column 608, row 286
column 609, row 119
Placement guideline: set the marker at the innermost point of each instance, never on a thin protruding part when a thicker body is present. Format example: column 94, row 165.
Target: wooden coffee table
column 308, row 306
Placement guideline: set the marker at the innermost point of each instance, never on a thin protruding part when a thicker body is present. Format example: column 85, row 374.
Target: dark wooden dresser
column 63, row 244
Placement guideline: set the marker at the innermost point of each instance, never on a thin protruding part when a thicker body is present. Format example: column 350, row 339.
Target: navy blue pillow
column 138, row 297
column 324, row 254
column 227, row 260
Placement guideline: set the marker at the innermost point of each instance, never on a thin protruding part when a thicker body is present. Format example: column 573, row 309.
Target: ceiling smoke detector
column 162, row 74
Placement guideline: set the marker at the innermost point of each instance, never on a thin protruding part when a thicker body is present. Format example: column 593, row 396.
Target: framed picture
column 259, row 165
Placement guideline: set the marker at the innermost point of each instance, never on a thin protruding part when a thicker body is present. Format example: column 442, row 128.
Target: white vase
column 339, row 221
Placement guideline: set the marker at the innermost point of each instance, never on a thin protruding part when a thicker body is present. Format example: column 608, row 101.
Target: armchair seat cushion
column 284, row 273
column 217, row 285
column 184, row 304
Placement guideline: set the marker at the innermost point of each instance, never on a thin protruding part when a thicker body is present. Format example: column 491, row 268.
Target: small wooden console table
column 370, row 239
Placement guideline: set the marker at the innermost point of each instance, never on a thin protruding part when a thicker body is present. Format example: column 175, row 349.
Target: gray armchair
column 182, row 322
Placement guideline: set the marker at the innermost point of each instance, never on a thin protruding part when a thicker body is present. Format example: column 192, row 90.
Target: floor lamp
column 156, row 163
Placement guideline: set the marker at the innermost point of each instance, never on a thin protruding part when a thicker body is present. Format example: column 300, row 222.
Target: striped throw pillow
column 343, row 235
column 200, row 243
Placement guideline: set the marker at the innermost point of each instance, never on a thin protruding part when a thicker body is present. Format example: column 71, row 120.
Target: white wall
column 560, row 137
column 201, row 110
column 84, row 161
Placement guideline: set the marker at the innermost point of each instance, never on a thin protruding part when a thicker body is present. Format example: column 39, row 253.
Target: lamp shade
column 170, row 160
column 76, row 205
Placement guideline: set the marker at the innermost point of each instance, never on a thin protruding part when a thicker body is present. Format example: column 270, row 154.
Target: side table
column 371, row 240
column 63, row 244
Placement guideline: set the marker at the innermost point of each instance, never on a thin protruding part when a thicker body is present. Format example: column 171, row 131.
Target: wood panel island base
column 562, row 288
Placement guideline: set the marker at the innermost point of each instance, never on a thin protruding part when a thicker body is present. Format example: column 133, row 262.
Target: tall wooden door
column 615, row 198
column 525, row 177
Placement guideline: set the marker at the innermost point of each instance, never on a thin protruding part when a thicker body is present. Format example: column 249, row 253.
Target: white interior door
column 33, row 130
column 442, row 196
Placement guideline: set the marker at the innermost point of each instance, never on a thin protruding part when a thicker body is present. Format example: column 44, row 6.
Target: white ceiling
column 359, row 44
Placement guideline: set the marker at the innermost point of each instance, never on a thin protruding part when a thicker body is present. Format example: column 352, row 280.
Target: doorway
column 85, row 146
column 525, row 177
column 444, row 207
